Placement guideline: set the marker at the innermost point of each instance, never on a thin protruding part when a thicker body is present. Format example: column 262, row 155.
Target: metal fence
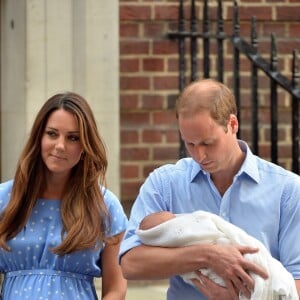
column 188, row 40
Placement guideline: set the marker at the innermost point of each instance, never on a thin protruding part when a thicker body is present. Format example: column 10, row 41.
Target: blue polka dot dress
column 33, row 272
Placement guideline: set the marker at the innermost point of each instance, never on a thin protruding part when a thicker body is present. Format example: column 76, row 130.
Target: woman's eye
column 51, row 133
column 74, row 138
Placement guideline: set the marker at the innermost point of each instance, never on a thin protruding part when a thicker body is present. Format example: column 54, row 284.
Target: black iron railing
column 258, row 63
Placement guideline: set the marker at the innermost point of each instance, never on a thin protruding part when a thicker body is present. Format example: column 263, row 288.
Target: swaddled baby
column 165, row 229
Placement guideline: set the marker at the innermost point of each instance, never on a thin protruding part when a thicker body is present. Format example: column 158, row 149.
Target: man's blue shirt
column 264, row 200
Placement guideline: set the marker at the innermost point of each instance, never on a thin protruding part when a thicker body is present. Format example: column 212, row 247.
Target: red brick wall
column 149, row 77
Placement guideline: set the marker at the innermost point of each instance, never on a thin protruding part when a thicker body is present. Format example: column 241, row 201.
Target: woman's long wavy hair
column 84, row 215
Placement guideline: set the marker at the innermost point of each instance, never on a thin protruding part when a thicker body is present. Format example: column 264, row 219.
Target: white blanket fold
column 207, row 228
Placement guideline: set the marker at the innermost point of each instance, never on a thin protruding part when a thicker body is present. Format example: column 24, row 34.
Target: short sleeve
column 5, row 192
column 118, row 218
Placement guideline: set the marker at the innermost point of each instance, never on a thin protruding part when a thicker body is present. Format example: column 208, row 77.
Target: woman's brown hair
column 84, row 215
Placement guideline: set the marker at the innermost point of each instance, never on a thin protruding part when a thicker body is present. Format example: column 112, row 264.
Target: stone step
column 141, row 290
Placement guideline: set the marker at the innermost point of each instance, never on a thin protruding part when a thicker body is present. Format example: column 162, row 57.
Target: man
column 222, row 176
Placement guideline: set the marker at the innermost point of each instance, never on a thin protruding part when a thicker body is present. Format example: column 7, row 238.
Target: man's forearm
column 297, row 281
column 146, row 262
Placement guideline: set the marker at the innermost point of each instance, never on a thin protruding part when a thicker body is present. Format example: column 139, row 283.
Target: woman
column 60, row 227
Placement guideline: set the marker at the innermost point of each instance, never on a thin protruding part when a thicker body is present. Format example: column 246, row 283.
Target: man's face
column 208, row 143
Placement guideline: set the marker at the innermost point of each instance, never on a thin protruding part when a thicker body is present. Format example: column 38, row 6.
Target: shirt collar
column 249, row 166
column 196, row 169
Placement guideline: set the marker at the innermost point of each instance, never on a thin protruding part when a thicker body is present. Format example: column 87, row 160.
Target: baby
column 155, row 219
column 166, row 229
column 183, row 237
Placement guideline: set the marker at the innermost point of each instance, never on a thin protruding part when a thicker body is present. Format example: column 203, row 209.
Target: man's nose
column 199, row 153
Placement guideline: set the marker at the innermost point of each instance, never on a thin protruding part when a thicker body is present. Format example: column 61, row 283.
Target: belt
column 47, row 272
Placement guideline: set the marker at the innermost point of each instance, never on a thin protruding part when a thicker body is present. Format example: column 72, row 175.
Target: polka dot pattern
column 32, row 271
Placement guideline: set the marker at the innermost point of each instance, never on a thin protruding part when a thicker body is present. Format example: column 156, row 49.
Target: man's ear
column 233, row 123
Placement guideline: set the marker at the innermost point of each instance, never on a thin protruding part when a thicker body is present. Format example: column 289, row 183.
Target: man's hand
column 228, row 262
column 211, row 290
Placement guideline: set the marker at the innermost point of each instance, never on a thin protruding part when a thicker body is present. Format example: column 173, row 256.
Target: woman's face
column 61, row 148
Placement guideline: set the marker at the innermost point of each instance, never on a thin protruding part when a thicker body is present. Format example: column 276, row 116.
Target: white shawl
column 203, row 227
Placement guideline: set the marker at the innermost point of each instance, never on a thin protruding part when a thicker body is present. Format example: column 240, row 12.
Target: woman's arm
column 114, row 285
